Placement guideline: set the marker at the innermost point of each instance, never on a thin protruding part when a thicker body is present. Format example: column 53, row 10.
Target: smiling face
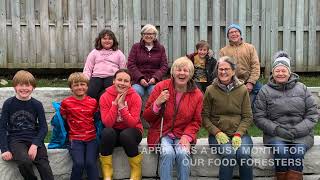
column 122, row 82
column 181, row 76
column 107, row 42
column 225, row 72
column 148, row 37
column 202, row 51
column 234, row 35
column 79, row 89
column 281, row 74
column 23, row 91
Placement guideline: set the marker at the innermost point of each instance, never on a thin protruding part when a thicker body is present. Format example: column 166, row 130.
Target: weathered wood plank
column 127, row 26
column 136, row 20
column 263, row 34
column 44, row 31
column 273, row 14
column 269, row 33
column 229, row 15
column 190, row 26
column 242, row 17
column 16, row 32
column 115, row 17
column 150, row 11
column 176, row 29
column 216, row 27
column 299, row 34
column 255, row 25
column 163, row 25
column 204, row 20
column 286, row 26
column 312, row 33
column 73, row 55
column 87, row 42
column 100, row 15
column 3, row 35
column 32, row 58
column 59, row 35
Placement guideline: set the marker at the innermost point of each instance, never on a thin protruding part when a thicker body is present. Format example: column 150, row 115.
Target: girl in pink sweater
column 102, row 63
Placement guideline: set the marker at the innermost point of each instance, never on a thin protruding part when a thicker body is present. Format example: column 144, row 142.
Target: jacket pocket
column 228, row 125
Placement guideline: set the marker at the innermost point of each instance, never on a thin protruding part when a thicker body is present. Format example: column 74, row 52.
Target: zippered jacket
column 184, row 119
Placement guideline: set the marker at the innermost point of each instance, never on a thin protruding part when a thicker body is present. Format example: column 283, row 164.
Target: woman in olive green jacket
column 227, row 116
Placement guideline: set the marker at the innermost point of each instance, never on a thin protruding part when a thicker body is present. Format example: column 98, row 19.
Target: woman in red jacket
column 177, row 102
column 120, row 108
column 147, row 61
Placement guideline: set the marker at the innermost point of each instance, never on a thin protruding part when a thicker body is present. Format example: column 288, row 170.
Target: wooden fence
column 60, row 33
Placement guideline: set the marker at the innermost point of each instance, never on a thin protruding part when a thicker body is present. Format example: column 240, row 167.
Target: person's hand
column 152, row 81
column 6, row 155
column 121, row 101
column 249, row 86
column 284, row 133
column 144, row 83
column 236, row 141
column 115, row 101
column 163, row 97
column 222, row 138
column 184, row 143
column 210, row 53
column 33, row 151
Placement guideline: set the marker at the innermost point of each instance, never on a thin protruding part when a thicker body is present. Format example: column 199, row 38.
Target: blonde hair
column 77, row 77
column 23, row 77
column 181, row 62
column 148, row 27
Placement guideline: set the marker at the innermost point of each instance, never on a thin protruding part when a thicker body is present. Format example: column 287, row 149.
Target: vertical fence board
column 216, row 27
column 312, row 34
column 59, row 35
column 86, row 29
column 163, row 25
column 190, row 26
column 286, row 25
column 255, row 25
column 269, row 33
column 229, row 15
column 176, row 29
column 150, row 11
column 127, row 27
column 72, row 31
column 204, row 20
column 274, row 31
column 263, row 34
column 44, row 28
column 32, row 58
column 100, row 15
column 242, row 17
column 3, row 34
column 16, row 32
column 136, row 20
column 299, row 34
column 115, row 17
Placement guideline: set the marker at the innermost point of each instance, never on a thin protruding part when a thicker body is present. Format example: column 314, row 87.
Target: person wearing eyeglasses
column 147, row 61
column 227, row 115
column 247, row 60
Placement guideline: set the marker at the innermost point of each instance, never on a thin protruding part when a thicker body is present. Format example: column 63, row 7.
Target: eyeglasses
column 225, row 69
column 233, row 32
column 148, row 34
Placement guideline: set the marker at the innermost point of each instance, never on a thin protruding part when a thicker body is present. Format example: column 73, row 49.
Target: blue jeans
column 288, row 156
column 171, row 153
column 254, row 92
column 230, row 157
column 141, row 89
column 84, row 156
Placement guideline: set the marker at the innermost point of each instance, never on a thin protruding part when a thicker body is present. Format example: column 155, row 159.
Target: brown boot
column 281, row 175
column 294, row 175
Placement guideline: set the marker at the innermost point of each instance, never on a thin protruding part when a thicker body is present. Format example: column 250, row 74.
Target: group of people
column 221, row 95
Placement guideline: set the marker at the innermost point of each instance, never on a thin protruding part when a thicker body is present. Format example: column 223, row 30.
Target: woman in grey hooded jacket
column 287, row 113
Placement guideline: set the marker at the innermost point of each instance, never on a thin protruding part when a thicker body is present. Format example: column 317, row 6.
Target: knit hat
column 236, row 26
column 281, row 59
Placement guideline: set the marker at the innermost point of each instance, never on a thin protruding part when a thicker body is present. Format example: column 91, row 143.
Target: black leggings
column 128, row 138
column 97, row 86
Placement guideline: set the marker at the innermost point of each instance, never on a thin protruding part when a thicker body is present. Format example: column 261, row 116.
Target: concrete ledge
column 49, row 94
column 202, row 163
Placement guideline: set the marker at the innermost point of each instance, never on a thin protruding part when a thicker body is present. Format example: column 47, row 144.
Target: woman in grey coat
column 287, row 113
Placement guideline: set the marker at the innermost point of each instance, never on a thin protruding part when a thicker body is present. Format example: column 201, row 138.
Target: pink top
column 104, row 63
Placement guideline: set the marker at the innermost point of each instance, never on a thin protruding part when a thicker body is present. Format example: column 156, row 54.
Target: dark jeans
column 84, row 156
column 288, row 156
column 229, row 157
column 254, row 92
column 128, row 138
column 19, row 150
column 97, row 86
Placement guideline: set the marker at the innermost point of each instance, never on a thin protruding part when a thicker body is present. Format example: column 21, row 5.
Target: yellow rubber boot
column 135, row 165
column 106, row 167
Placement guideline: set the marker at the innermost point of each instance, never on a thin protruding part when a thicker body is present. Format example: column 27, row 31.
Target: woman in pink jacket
column 120, row 108
column 102, row 62
column 177, row 102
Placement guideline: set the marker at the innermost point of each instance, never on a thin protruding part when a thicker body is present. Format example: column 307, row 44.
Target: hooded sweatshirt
column 127, row 117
